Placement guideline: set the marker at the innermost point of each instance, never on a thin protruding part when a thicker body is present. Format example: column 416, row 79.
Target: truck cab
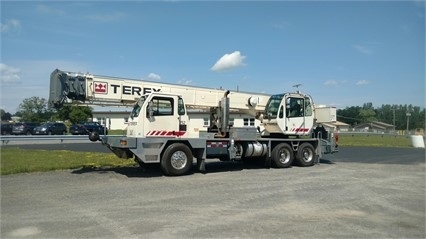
column 288, row 114
column 158, row 115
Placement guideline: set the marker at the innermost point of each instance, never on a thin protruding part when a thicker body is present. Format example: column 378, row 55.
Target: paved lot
column 356, row 194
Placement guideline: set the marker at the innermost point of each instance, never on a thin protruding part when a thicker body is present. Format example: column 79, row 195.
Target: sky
column 343, row 53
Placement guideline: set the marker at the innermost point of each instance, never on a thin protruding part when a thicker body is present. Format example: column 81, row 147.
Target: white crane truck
column 160, row 129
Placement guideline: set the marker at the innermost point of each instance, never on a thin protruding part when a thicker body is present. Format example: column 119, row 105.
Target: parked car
column 78, row 129
column 50, row 129
column 95, row 127
column 24, row 128
column 6, row 128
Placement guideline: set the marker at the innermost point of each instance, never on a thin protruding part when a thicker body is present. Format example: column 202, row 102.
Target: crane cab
column 158, row 115
column 288, row 114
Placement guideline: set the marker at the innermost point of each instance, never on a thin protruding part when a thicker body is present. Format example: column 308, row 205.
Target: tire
column 306, row 155
column 28, row 133
column 49, row 132
column 282, row 155
column 176, row 160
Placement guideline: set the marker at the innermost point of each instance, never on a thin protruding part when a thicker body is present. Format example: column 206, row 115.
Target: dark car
column 24, row 128
column 50, row 129
column 95, row 127
column 78, row 129
column 6, row 128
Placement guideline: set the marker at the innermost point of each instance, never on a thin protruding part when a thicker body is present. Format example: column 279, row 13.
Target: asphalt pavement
column 360, row 192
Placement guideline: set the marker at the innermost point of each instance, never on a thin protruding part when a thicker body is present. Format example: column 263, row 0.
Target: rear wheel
column 282, row 155
column 305, row 155
column 177, row 160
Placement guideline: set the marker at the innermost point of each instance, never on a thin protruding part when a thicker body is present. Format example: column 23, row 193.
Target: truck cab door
column 165, row 117
column 298, row 115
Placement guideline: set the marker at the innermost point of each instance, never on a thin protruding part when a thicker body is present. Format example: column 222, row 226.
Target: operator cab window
column 295, row 107
column 181, row 107
column 137, row 107
column 273, row 105
column 308, row 107
column 161, row 106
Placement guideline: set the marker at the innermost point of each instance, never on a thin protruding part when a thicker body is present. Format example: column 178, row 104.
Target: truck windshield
column 273, row 105
column 137, row 107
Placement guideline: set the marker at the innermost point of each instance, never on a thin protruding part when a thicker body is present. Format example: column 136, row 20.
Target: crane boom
column 66, row 87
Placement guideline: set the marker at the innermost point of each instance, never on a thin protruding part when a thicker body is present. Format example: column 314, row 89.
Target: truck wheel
column 305, row 155
column 177, row 160
column 282, row 155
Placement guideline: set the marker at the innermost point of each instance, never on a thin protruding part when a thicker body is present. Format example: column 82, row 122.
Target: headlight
column 43, row 129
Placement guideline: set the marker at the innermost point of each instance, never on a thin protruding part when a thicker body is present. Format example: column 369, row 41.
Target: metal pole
column 408, row 114
column 393, row 120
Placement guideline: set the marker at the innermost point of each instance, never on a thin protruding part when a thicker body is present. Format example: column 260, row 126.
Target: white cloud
column 184, row 81
column 229, row 62
column 330, row 83
column 281, row 25
column 153, row 76
column 43, row 9
column 363, row 49
column 110, row 17
column 9, row 74
column 11, row 25
column 363, row 82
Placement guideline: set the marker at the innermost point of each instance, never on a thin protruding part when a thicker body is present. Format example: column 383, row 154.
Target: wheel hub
column 179, row 160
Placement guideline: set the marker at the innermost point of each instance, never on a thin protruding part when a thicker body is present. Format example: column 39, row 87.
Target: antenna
column 297, row 87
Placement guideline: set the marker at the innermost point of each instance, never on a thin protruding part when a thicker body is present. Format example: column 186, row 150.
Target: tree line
column 391, row 114
column 35, row 109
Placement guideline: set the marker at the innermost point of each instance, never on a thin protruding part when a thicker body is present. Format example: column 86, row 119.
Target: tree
column 5, row 116
column 349, row 115
column 35, row 109
column 74, row 113
column 386, row 113
column 367, row 115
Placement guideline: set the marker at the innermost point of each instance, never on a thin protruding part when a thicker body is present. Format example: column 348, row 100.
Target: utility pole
column 408, row 114
column 394, row 129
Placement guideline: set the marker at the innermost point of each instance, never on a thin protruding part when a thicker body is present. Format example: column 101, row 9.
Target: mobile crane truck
column 162, row 130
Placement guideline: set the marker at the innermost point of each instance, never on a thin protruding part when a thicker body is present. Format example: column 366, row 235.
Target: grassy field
column 16, row 160
column 374, row 140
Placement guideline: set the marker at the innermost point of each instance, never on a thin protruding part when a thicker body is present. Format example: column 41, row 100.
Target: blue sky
column 344, row 53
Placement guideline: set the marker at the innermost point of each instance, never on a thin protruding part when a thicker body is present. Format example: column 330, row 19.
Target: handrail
column 34, row 139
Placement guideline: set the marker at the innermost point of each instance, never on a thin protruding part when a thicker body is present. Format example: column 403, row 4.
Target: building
column 117, row 120
column 337, row 126
column 375, row 126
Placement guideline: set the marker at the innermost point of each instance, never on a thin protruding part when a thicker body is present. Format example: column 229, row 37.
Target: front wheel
column 282, row 155
column 177, row 160
column 305, row 155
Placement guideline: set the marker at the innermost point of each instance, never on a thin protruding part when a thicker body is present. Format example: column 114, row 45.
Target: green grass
column 117, row 132
column 374, row 140
column 16, row 160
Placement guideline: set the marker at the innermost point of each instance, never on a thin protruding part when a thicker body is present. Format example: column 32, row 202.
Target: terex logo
column 101, row 87
column 133, row 90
